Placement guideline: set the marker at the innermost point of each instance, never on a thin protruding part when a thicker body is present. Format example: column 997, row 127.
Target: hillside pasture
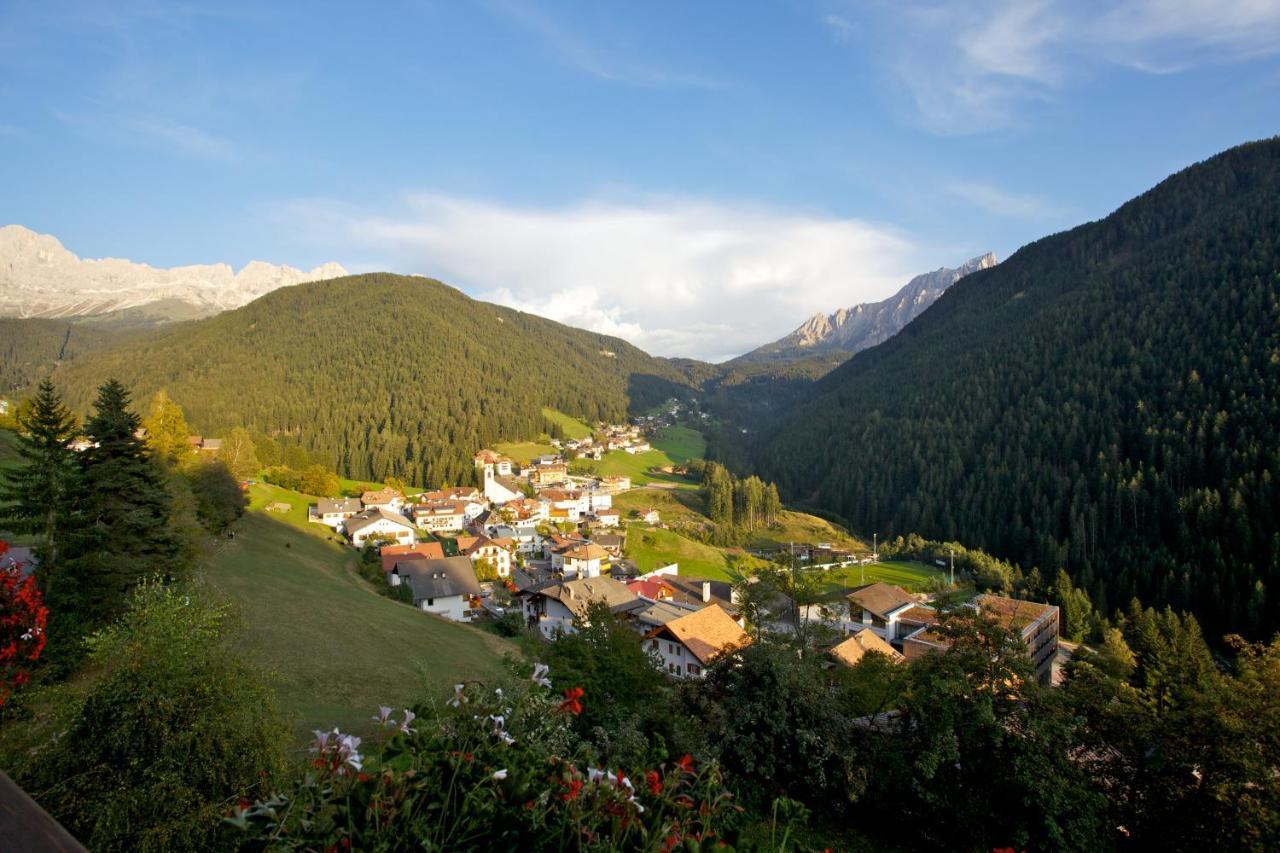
column 337, row 648
column 672, row 447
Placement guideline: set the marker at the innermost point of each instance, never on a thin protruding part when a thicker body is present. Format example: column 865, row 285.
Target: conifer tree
column 35, row 498
column 126, row 509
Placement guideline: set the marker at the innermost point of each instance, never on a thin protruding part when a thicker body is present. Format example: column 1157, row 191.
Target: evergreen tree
column 35, row 498
column 168, row 435
column 127, row 511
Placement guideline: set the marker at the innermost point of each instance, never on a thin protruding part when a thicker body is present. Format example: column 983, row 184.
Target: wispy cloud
column 674, row 276
column 183, row 139
column 975, row 65
column 600, row 61
column 1001, row 202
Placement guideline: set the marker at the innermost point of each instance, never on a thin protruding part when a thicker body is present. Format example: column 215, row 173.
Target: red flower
column 362, row 777
column 573, row 788
column 244, row 805
column 686, row 763
column 654, row 781
column 571, row 705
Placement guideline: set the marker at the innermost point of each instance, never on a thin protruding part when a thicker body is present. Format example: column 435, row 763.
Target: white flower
column 506, row 738
column 321, row 742
column 384, row 717
column 540, row 671
column 594, row 774
column 348, row 746
column 499, row 723
column 497, row 691
column 499, row 775
column 408, row 718
column 458, row 699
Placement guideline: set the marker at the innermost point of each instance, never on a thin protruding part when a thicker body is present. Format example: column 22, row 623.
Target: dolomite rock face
column 853, row 329
column 39, row 277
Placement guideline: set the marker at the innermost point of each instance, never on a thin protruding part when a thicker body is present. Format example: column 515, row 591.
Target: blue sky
column 696, row 177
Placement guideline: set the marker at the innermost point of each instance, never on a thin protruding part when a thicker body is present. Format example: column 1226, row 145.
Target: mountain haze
column 851, row 330
column 1107, row 400
column 39, row 277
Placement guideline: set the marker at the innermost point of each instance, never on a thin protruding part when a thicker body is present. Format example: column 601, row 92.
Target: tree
column 175, row 728
column 239, row 455
column 168, row 435
column 36, row 498
column 485, row 569
column 126, row 510
column 219, row 498
column 318, row 480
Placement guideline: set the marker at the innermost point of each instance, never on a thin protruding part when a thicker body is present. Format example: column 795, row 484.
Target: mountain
column 41, row 278
column 379, row 375
column 1107, row 400
column 850, row 330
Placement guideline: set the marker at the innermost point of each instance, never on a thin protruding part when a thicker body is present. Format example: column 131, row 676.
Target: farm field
column 573, row 428
column 337, row 649
column 653, row 548
column 523, row 452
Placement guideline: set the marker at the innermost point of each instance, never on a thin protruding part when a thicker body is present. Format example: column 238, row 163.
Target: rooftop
column 707, row 633
column 855, row 647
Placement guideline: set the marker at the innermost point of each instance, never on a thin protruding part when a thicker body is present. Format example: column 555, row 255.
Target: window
column 431, row 602
column 694, row 669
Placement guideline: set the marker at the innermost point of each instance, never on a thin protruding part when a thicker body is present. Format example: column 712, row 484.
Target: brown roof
column 381, row 496
column 706, row 633
column 391, row 553
column 589, row 551
column 578, row 595
column 851, row 650
column 881, row 598
column 919, row 615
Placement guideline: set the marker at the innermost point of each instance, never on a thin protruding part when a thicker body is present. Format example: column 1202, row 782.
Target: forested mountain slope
column 383, row 375
column 1108, row 399
column 30, row 348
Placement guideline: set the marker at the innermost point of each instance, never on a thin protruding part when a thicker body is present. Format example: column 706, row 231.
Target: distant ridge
column 851, row 330
column 39, row 277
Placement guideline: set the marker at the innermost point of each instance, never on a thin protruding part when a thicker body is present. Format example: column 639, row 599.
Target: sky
column 697, row 178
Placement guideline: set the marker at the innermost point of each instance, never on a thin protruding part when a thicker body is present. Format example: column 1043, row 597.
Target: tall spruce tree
column 168, row 435
column 126, row 509
column 35, row 498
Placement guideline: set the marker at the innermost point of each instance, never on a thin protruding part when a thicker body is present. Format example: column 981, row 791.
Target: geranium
column 686, row 763
column 571, row 703
column 653, row 781
column 22, row 626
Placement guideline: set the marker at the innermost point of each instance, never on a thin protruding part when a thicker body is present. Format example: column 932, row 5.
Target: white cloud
column 972, row 66
column 183, row 138
column 674, row 276
column 1001, row 202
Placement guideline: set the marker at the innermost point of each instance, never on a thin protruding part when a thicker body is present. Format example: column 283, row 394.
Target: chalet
column 388, row 499
column 703, row 592
column 585, row 561
column 611, row 542
column 564, row 505
column 687, row 644
column 638, row 446
column 437, row 516
column 649, row 515
column 616, row 485
column 856, row 646
column 378, row 524
column 654, row 589
column 391, row 553
column 333, row 512
column 469, row 496
column 447, row 587
column 560, row 607
column 548, row 475
column 496, row 551
column 1036, row 624
column 880, row 606
column 556, row 545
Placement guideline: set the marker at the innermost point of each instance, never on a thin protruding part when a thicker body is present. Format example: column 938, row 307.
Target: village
column 548, row 545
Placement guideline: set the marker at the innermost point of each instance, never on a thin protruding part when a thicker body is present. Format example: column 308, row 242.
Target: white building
column 561, row 607
column 377, row 523
column 444, row 587
column 333, row 512
column 584, row 561
column 498, row 553
column 687, row 644
column 444, row 515
column 388, row 499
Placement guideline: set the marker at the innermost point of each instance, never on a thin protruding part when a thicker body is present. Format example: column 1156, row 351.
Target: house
column 564, row 504
column 687, row 644
column 598, row 499
column 446, row 587
column 608, row 517
column 560, row 607
column 879, row 606
column 211, row 445
column 704, row 592
column 650, row 515
column 378, row 524
column 585, row 561
column 496, row 551
column 333, row 512
column 638, row 446
column 617, row 484
column 654, row 589
column 499, row 464
column 854, row 647
column 391, row 553
column 386, row 498
column 469, row 496
column 611, row 542
column 548, row 475
column 1036, row 624
column 436, row 516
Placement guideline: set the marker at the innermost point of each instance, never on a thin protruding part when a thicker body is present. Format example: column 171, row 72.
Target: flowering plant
column 22, row 627
column 489, row 768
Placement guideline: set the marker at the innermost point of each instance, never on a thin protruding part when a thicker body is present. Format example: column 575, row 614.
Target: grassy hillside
column 673, row 446
column 1106, row 400
column 381, row 375
column 573, row 427
column 338, row 648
